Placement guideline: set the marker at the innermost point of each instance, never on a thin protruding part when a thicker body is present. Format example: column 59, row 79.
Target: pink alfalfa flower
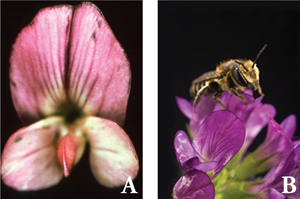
column 70, row 82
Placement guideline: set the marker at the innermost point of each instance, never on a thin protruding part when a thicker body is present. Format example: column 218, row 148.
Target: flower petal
column 285, row 167
column 275, row 147
column 206, row 166
column 70, row 149
column 249, row 92
column 237, row 106
column 69, row 55
column 183, row 148
column 205, row 107
column 29, row 157
column 185, row 107
column 272, row 193
column 258, row 119
column 289, row 125
column 219, row 138
column 112, row 156
column 99, row 71
column 296, row 171
column 294, row 195
column 194, row 184
column 37, row 64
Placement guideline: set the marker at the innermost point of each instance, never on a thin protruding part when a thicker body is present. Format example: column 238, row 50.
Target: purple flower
column 255, row 115
column 194, row 184
column 270, row 153
column 216, row 142
column 273, row 182
column 289, row 166
column 218, row 150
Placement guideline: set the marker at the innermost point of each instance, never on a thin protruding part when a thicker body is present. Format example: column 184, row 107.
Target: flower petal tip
column 185, row 107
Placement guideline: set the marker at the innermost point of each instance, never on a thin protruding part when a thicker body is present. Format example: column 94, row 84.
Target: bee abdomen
column 195, row 87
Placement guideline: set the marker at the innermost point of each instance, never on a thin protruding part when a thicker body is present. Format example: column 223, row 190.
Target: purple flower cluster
column 214, row 154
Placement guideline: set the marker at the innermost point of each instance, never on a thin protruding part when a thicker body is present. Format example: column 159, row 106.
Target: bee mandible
column 234, row 76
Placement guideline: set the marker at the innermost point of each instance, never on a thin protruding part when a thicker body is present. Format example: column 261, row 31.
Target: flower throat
column 70, row 111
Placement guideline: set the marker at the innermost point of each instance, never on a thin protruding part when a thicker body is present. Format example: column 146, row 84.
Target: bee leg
column 236, row 93
column 199, row 95
column 217, row 99
column 260, row 91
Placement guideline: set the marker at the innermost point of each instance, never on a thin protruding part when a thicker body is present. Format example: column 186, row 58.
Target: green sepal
column 249, row 167
column 236, row 190
column 188, row 130
column 234, row 161
column 222, row 179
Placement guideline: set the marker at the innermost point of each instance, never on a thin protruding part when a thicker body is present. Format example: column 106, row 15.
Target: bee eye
column 238, row 77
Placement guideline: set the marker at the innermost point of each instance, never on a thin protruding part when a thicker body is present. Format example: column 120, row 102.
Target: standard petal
column 183, row 148
column 29, row 157
column 112, row 156
column 194, row 184
column 219, row 138
column 99, row 72
column 38, row 64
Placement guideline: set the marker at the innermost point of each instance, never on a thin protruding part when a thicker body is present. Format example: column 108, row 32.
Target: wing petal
column 112, row 155
column 29, row 159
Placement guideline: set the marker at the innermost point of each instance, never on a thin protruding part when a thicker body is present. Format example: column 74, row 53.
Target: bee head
column 245, row 73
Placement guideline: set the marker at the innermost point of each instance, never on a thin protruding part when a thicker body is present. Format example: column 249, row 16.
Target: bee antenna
column 257, row 56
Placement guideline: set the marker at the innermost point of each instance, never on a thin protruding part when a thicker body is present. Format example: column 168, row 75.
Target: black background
column 193, row 37
column 125, row 19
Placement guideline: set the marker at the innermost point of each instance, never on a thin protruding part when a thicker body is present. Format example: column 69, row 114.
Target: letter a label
column 287, row 185
column 129, row 184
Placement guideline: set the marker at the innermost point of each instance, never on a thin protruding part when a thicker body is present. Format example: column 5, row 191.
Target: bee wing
column 207, row 76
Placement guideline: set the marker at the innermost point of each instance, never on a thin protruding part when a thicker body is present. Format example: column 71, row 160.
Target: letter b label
column 290, row 184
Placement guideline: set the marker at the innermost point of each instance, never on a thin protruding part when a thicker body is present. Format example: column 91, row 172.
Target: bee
column 234, row 76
